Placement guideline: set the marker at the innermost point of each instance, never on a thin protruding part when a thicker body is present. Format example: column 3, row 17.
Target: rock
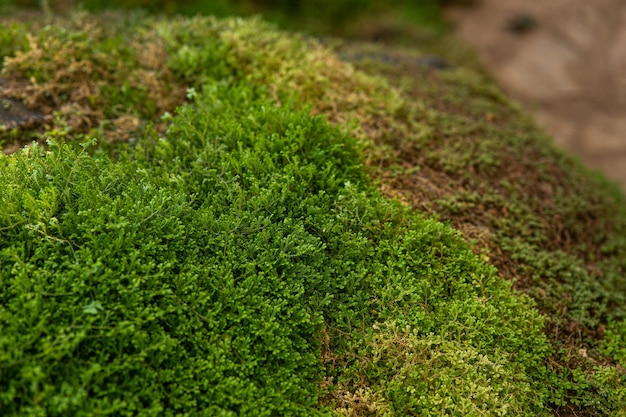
column 433, row 62
column 14, row 114
column 521, row 23
column 540, row 70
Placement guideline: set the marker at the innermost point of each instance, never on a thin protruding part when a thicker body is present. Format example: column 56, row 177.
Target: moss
column 92, row 75
column 237, row 258
column 535, row 212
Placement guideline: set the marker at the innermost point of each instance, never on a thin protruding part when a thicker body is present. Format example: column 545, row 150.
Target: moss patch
column 101, row 77
column 235, row 258
column 532, row 210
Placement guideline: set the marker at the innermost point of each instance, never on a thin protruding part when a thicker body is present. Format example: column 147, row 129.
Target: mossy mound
column 233, row 252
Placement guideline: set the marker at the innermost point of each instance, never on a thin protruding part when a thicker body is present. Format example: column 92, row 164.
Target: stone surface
column 13, row 114
column 569, row 69
column 540, row 70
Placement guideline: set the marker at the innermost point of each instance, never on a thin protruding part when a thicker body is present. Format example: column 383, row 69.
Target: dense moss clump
column 235, row 257
column 207, row 271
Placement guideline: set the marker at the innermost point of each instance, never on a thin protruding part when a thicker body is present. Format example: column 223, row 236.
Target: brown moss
column 78, row 70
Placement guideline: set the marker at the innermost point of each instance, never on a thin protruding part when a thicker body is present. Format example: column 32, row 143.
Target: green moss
column 237, row 260
column 12, row 38
column 254, row 235
column 533, row 210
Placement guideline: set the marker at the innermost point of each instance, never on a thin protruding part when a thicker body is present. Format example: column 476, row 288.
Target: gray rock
column 14, row 114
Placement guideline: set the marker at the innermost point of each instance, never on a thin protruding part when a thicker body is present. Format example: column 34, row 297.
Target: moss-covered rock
column 292, row 238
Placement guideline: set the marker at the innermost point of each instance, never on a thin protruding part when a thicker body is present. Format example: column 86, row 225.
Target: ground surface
column 568, row 67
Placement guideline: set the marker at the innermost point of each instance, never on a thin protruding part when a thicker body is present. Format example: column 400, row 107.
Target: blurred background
column 563, row 60
column 319, row 17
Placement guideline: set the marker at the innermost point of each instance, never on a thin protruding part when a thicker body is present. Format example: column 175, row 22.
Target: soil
column 565, row 61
